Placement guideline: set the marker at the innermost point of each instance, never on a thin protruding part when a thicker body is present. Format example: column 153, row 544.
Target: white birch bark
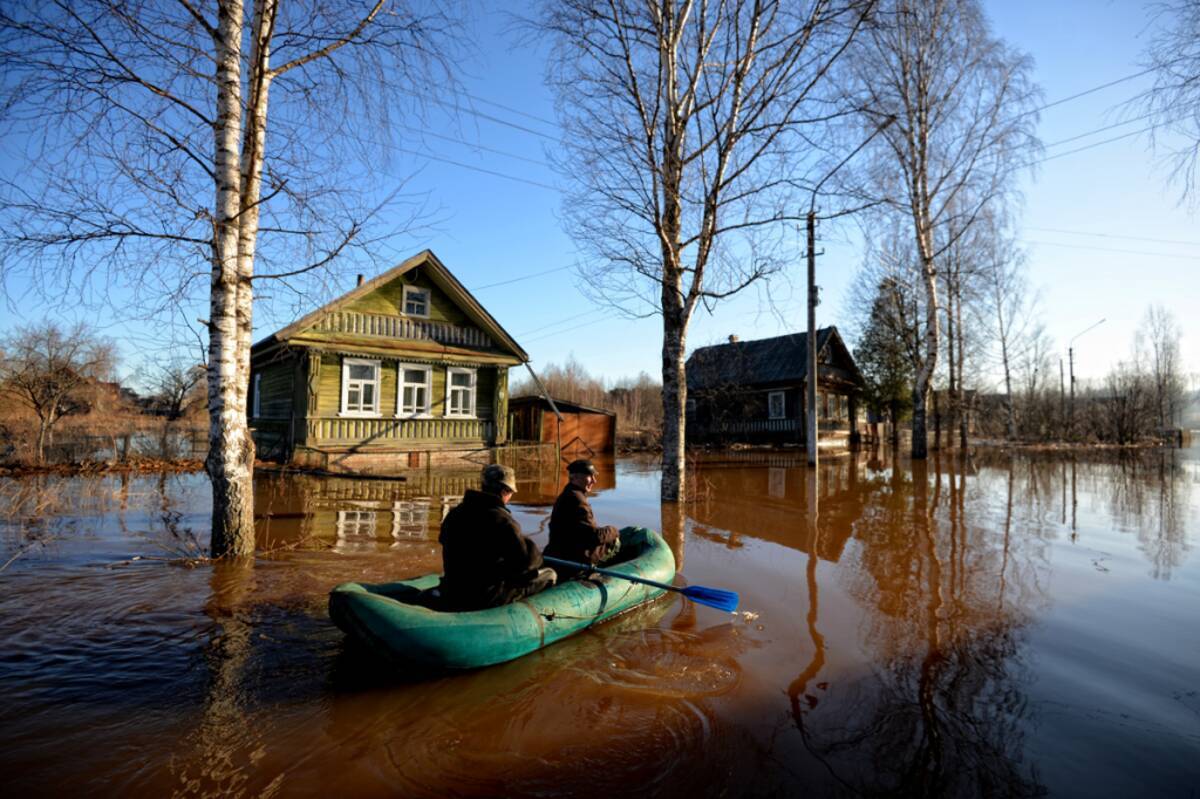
column 230, row 460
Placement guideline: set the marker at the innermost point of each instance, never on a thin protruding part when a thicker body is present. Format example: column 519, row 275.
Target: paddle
column 713, row 597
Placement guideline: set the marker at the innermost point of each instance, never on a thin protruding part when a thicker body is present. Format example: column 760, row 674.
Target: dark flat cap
column 581, row 466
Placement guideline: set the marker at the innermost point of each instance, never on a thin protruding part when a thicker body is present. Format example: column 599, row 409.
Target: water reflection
column 1003, row 624
column 940, row 714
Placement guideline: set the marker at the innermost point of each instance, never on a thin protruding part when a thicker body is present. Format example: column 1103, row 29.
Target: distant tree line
column 637, row 401
column 61, row 397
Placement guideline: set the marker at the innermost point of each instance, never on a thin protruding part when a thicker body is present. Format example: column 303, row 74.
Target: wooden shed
column 583, row 431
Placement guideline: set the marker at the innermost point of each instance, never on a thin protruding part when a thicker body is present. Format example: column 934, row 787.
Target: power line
column 491, row 118
column 479, row 146
column 522, row 277
column 1101, row 130
column 474, row 168
column 568, row 330
column 1116, row 250
column 1115, row 236
column 510, row 109
column 563, row 321
column 1084, row 93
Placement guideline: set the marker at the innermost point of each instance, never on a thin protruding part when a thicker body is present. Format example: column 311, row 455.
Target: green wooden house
column 405, row 370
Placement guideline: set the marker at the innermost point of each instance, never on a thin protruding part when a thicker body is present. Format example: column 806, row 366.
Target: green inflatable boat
column 393, row 619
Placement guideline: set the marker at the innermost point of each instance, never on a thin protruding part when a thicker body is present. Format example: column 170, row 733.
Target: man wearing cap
column 574, row 534
column 486, row 560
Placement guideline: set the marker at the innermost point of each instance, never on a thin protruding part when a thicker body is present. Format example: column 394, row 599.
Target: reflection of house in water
column 365, row 515
column 739, row 498
column 356, row 515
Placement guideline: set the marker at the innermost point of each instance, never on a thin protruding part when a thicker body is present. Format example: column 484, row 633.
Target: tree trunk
column 230, row 460
column 894, row 412
column 674, row 398
column 920, row 444
column 952, row 393
column 927, row 368
column 961, row 404
column 40, row 454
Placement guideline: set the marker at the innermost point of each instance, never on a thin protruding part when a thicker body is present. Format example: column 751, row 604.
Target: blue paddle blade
column 713, row 597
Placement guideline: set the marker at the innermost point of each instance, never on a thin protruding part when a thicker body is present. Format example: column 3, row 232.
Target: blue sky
column 1087, row 222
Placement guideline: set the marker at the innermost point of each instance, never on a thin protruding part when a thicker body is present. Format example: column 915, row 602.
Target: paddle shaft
column 611, row 573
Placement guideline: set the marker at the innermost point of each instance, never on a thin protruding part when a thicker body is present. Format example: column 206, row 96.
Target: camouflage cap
column 497, row 476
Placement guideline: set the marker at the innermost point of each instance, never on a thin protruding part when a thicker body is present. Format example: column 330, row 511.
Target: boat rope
column 552, row 615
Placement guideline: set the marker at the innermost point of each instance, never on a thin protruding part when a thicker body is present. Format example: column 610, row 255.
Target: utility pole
column 810, row 415
column 1062, row 391
column 813, row 300
column 1071, row 364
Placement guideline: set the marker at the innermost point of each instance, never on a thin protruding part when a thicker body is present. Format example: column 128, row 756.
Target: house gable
column 370, row 319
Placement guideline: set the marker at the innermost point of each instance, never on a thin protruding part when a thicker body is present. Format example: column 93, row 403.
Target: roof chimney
column 360, row 280
column 733, row 339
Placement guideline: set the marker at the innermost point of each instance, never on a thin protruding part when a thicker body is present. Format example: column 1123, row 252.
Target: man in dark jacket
column 574, row 534
column 486, row 560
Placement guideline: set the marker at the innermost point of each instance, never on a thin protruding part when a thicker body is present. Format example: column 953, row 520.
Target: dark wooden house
column 405, row 369
column 754, row 391
column 583, row 431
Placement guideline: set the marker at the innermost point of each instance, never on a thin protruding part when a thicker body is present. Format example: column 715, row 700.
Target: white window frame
column 357, row 524
column 409, row 290
column 771, row 396
column 256, row 409
column 410, row 520
column 373, row 413
column 421, row 413
column 450, row 372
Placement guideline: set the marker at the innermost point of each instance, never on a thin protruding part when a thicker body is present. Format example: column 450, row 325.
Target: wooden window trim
column 256, row 408
column 453, row 370
column 346, row 364
column 400, row 384
column 771, row 395
column 415, row 290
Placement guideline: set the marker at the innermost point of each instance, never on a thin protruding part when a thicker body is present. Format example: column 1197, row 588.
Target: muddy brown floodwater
column 1003, row 625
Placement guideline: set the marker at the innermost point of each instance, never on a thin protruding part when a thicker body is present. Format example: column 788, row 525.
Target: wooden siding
column 327, row 427
column 402, row 327
column 276, row 385
column 387, row 300
column 389, row 432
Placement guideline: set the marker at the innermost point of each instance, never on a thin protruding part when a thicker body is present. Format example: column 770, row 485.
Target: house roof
column 768, row 360
column 436, row 271
column 563, row 405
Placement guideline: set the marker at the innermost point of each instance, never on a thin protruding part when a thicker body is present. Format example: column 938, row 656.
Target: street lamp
column 810, row 417
column 1071, row 362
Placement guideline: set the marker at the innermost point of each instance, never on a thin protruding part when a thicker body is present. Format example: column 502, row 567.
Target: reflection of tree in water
column 1150, row 493
column 943, row 713
column 219, row 757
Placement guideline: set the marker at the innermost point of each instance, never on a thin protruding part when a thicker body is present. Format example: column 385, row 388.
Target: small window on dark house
column 776, row 409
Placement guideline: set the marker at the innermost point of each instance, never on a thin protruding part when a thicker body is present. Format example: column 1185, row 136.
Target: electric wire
column 1114, row 250
column 1181, row 242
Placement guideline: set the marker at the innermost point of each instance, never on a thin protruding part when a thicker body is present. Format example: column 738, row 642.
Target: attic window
column 416, row 301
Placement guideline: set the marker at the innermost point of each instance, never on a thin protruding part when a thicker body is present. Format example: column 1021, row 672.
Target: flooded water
column 1005, row 625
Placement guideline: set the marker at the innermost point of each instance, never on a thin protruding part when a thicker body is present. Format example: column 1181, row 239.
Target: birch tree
column 962, row 101
column 1159, row 344
column 683, row 123
column 1007, row 311
column 171, row 146
column 1173, row 52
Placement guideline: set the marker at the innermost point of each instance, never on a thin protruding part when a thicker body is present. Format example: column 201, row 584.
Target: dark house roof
column 782, row 359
